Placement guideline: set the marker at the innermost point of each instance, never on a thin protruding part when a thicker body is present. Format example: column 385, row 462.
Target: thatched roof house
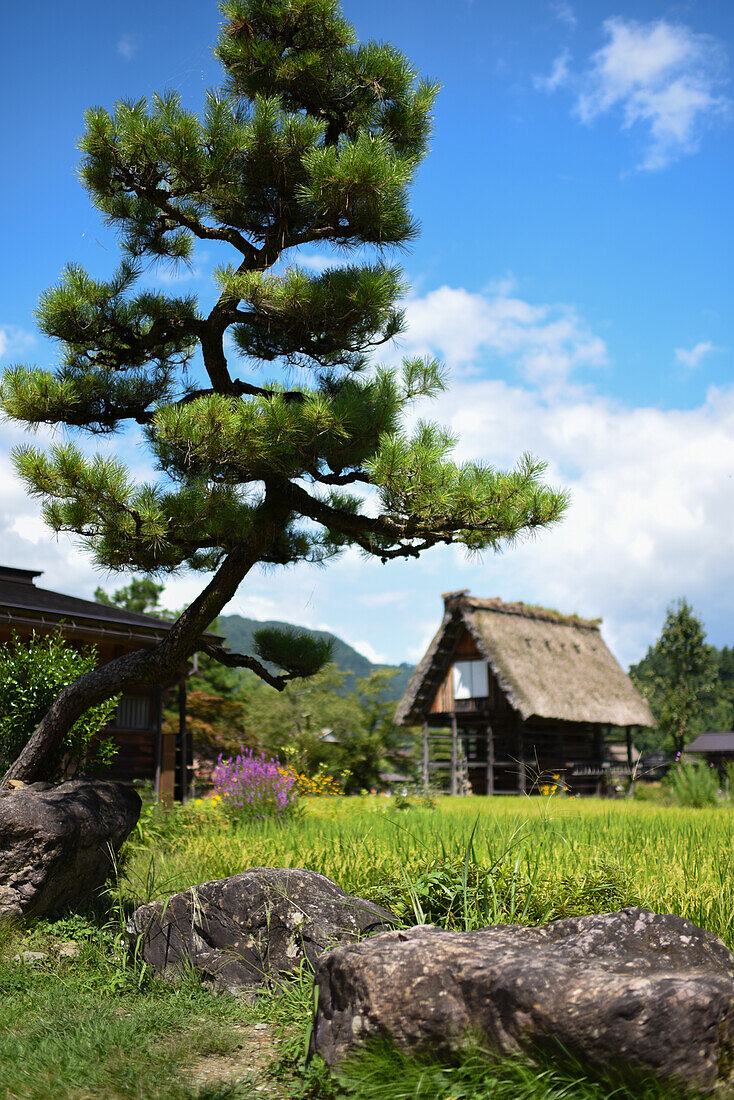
column 524, row 684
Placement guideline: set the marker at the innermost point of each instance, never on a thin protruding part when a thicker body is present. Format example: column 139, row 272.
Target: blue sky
column 574, row 271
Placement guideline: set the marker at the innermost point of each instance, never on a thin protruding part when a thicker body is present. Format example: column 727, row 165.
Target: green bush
column 693, row 784
column 32, row 673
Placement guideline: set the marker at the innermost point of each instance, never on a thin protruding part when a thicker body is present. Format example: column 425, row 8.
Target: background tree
column 142, row 595
column 311, row 723
column 375, row 744
column 215, row 705
column 313, row 140
column 678, row 675
column 292, row 723
column 721, row 712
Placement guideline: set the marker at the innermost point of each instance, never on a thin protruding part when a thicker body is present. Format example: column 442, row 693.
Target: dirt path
column 248, row 1064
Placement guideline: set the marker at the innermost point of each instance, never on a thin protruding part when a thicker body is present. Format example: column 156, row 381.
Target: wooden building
column 523, row 694
column 145, row 752
column 716, row 746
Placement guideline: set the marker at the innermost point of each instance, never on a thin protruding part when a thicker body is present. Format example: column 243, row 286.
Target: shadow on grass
column 380, row 1072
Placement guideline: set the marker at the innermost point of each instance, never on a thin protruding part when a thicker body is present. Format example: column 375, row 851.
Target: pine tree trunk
column 149, row 666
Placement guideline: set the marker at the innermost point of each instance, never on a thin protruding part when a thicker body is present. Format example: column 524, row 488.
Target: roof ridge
column 529, row 611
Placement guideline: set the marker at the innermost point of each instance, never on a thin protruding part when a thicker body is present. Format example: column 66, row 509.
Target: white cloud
column 692, row 357
column 315, row 262
column 30, row 528
column 564, row 13
column 127, row 47
column 546, row 342
column 14, row 340
column 651, row 489
column 392, row 599
column 661, row 76
column 652, row 493
column 559, row 74
column 368, row 651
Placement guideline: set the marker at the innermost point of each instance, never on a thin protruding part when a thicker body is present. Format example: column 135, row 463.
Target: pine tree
column 313, row 140
column 677, row 676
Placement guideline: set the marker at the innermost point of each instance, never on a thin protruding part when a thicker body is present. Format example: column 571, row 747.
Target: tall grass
column 694, row 784
column 472, row 861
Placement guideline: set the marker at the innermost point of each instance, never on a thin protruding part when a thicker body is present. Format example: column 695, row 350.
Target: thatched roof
column 548, row 665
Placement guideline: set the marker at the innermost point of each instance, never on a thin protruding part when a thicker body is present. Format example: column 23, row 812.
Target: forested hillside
column 239, row 632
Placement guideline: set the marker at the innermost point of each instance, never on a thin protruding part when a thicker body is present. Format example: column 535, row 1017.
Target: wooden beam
column 168, row 768
column 490, row 759
column 184, row 755
column 425, row 755
column 598, row 753
column 522, row 783
column 158, row 703
column 454, row 755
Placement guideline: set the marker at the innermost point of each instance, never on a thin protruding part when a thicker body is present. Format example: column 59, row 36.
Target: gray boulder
column 56, row 843
column 243, row 931
column 629, row 989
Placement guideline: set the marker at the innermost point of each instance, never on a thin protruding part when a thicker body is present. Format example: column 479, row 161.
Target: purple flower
column 255, row 787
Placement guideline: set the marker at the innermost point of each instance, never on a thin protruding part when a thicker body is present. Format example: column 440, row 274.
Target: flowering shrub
column 32, row 673
column 318, row 786
column 253, row 786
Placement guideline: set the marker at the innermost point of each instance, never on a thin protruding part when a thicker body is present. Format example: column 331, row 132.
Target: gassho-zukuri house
column 145, row 751
column 524, row 695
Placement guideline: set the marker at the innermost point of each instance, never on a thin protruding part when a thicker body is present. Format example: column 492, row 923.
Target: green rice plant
column 649, row 792
column 467, row 863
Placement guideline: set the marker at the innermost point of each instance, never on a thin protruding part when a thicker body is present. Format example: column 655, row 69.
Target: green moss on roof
column 532, row 611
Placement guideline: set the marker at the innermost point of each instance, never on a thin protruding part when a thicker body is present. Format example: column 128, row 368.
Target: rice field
column 523, row 860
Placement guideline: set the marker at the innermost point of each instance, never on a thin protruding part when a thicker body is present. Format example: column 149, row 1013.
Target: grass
column 101, row 1025
column 95, row 1025
column 478, row 1075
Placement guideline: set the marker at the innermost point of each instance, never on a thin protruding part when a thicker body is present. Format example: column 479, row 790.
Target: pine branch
column 240, row 660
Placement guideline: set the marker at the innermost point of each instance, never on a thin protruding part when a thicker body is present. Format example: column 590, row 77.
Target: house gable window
column 470, row 680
